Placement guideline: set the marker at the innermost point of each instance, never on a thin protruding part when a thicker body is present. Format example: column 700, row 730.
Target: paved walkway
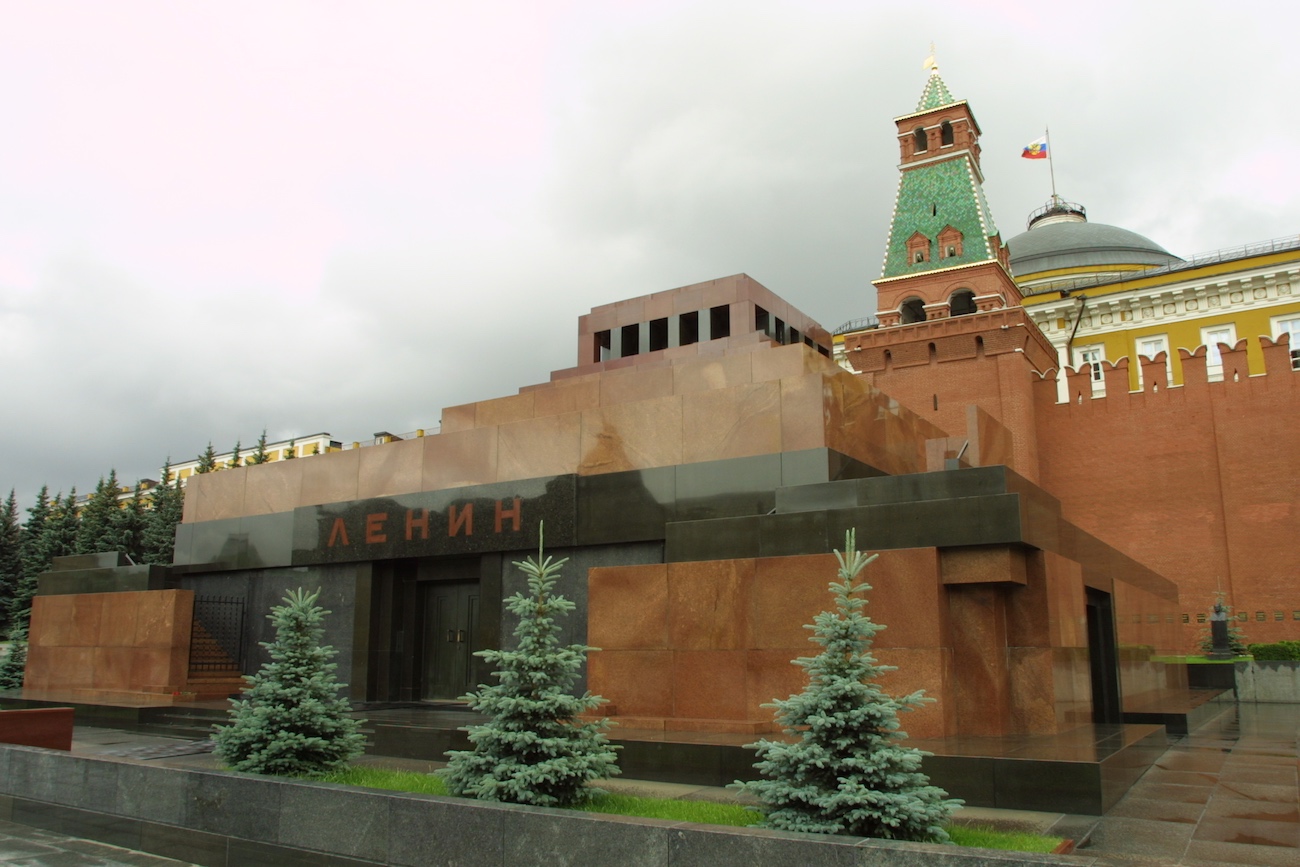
column 32, row 847
column 1226, row 794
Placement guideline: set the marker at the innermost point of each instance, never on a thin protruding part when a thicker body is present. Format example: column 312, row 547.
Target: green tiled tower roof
column 930, row 198
column 935, row 195
column 935, row 94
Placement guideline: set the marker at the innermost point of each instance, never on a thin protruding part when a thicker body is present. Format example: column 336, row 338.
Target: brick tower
column 944, row 256
column 952, row 332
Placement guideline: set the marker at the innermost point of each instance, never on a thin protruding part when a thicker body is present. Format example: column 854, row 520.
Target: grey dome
column 1079, row 244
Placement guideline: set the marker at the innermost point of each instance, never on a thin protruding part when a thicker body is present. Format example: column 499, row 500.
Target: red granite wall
column 110, row 643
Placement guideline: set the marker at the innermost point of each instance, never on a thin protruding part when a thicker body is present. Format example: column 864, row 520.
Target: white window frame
column 1163, row 346
column 1210, row 338
column 1289, row 324
column 1093, row 356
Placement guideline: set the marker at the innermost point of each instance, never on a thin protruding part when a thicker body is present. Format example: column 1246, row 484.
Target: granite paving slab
column 24, row 846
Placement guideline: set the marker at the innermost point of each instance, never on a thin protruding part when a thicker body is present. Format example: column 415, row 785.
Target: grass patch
column 701, row 812
column 705, row 812
column 1201, row 659
column 371, row 777
column 987, row 837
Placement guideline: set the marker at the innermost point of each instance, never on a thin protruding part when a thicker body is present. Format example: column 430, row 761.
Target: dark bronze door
column 450, row 624
column 1103, row 659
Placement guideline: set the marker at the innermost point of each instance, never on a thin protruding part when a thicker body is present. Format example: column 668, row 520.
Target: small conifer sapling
column 260, row 454
column 292, row 721
column 534, row 749
column 207, row 460
column 845, row 771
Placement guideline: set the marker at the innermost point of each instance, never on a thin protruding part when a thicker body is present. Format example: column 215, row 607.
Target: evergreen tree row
column 208, row 457
column 143, row 528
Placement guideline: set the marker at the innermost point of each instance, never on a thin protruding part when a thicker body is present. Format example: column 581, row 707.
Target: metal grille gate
column 217, row 637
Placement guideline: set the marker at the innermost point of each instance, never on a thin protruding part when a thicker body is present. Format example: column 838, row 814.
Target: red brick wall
column 1201, row 483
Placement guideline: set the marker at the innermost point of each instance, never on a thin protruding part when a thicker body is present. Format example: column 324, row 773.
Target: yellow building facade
column 1100, row 293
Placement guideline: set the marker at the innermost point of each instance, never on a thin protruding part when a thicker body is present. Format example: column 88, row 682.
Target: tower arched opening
column 962, row 303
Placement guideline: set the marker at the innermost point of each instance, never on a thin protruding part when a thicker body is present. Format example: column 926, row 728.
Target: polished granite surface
column 29, row 846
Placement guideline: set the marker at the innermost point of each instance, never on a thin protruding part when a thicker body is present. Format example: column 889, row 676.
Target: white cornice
column 903, row 117
column 1165, row 305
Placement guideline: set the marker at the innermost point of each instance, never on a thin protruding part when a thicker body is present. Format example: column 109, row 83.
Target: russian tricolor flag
column 1036, row 149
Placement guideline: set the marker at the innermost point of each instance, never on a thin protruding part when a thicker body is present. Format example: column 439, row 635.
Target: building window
column 918, row 248
column 1259, row 616
column 1291, row 327
column 945, row 134
column 1150, row 347
column 688, row 328
column 629, row 341
column 1212, row 336
column 658, row 334
column 762, row 321
column 919, row 144
column 950, row 241
column 601, row 352
column 719, row 322
column 1092, row 356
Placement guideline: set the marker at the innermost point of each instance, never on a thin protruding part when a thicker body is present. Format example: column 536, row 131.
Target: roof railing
column 1056, row 205
column 864, row 323
column 383, row 437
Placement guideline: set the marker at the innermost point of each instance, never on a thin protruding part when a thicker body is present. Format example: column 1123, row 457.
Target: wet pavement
column 33, row 847
column 1226, row 794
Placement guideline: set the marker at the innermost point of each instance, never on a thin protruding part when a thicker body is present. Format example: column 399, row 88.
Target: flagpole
column 1047, row 136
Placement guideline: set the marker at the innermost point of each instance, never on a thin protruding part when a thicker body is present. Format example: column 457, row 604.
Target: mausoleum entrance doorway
column 424, row 629
column 1103, row 658
column 450, row 637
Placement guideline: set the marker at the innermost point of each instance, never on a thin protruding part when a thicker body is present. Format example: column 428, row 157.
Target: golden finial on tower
column 930, row 63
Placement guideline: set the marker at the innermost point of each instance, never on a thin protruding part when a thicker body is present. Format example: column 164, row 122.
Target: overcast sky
column 324, row 216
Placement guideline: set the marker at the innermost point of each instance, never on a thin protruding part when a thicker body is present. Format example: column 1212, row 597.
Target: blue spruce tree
column 534, row 750
column 845, row 771
column 292, row 721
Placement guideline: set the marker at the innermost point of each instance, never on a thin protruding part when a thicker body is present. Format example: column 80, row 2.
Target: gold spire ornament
column 930, row 63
